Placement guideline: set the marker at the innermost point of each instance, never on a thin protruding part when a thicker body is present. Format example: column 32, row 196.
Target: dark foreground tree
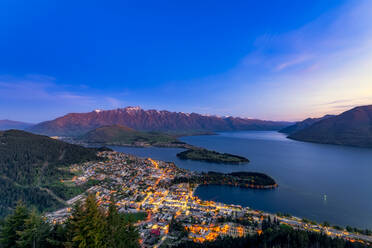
column 34, row 233
column 90, row 226
column 13, row 225
column 121, row 232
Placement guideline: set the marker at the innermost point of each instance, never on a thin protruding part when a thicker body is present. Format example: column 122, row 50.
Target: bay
column 316, row 181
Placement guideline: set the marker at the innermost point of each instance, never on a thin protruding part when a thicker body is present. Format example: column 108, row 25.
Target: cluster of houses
column 173, row 212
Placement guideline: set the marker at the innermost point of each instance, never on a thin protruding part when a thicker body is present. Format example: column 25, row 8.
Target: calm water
column 320, row 182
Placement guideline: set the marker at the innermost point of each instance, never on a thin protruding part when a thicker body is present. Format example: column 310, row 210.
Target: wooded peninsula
column 205, row 155
column 237, row 179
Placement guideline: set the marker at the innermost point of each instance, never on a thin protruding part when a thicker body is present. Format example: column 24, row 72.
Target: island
column 205, row 155
column 156, row 197
column 242, row 179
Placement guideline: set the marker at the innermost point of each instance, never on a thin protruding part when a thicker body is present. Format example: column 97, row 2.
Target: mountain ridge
column 303, row 124
column 10, row 124
column 75, row 124
column 351, row 128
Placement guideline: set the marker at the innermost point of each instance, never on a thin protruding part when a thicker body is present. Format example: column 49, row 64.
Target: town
column 172, row 213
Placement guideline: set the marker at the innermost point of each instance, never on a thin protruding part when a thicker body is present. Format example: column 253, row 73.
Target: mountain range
column 352, row 128
column 76, row 124
column 8, row 124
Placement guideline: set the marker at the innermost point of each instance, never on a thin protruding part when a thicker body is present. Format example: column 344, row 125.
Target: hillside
column 352, row 128
column 121, row 135
column 8, row 124
column 303, row 124
column 30, row 164
column 77, row 124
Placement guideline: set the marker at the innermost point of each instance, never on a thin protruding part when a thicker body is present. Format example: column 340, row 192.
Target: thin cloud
column 53, row 98
column 289, row 63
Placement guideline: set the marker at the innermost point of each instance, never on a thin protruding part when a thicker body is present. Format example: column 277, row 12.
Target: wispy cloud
column 345, row 104
column 40, row 88
column 292, row 62
column 289, row 75
column 50, row 98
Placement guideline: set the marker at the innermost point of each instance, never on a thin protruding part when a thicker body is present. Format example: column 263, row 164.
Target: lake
column 316, row 181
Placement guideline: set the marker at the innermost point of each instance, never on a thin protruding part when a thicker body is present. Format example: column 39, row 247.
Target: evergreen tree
column 58, row 236
column 14, row 224
column 89, row 225
column 121, row 232
column 35, row 232
column 132, row 237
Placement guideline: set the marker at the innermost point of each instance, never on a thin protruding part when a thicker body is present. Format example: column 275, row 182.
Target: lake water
column 319, row 182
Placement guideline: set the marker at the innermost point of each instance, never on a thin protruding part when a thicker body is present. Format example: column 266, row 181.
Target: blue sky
column 279, row 60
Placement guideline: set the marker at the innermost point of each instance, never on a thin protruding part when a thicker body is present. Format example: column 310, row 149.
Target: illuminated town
column 173, row 213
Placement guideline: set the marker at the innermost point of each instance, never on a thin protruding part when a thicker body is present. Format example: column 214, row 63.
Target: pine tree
column 35, row 232
column 121, row 233
column 131, row 239
column 113, row 226
column 89, row 225
column 58, row 236
column 14, row 224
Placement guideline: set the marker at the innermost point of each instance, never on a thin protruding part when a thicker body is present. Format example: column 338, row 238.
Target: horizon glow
column 281, row 61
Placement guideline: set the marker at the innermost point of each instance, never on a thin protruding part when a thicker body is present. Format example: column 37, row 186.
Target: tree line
column 276, row 235
column 89, row 226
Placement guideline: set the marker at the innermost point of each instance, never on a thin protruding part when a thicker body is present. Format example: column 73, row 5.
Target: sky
column 273, row 60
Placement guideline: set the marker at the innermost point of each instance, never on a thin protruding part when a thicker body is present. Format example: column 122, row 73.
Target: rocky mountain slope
column 303, row 124
column 76, row 124
column 353, row 128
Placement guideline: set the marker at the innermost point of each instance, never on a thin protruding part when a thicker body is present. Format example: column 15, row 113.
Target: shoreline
column 248, row 186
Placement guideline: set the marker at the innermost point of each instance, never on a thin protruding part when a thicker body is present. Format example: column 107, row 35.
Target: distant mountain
column 121, row 135
column 353, row 128
column 8, row 124
column 303, row 124
column 76, row 124
column 31, row 167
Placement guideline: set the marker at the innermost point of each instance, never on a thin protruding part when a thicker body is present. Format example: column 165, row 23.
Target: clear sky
column 278, row 59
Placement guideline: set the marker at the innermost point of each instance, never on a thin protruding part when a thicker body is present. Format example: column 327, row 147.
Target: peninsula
column 118, row 135
column 205, row 155
column 242, row 179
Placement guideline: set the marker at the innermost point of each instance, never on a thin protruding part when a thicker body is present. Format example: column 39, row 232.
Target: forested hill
column 121, row 135
column 30, row 163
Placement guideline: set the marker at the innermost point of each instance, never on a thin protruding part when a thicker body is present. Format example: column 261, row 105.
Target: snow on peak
column 133, row 108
